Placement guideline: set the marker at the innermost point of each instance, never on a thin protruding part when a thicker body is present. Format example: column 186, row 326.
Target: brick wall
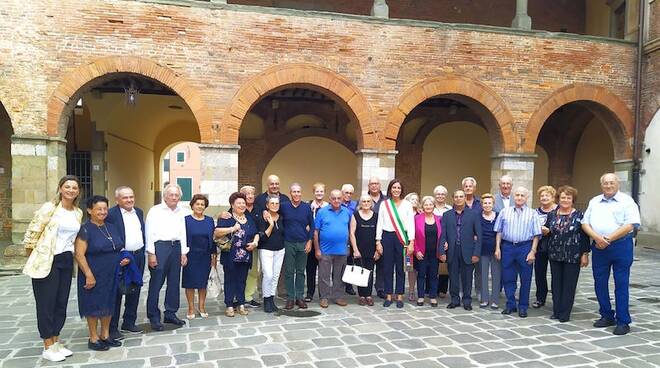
column 546, row 15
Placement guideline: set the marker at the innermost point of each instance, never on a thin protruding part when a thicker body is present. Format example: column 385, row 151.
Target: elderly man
column 503, row 198
column 518, row 231
column 377, row 197
column 273, row 182
column 298, row 222
column 609, row 221
column 331, row 247
column 472, row 201
column 166, row 248
column 461, row 231
column 129, row 220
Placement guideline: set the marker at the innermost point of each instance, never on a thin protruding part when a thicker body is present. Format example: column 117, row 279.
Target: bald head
column 609, row 184
column 273, row 182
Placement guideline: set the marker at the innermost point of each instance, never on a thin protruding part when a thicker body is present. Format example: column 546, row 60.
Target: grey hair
column 120, row 188
column 248, row 188
column 346, row 187
column 295, row 185
column 506, row 177
column 440, row 189
column 522, row 190
column 429, row 199
column 171, row 185
column 602, row 178
column 474, row 181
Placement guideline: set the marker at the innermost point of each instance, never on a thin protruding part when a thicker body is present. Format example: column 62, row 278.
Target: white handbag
column 213, row 287
column 356, row 275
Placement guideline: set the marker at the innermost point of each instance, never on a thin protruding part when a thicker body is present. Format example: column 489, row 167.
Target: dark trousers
column 427, row 276
column 617, row 257
column 235, row 279
column 311, row 267
column 443, row 283
column 514, row 265
column 51, row 295
column 367, row 263
column 393, row 263
column 460, row 277
column 540, row 278
column 564, row 282
column 295, row 261
column 168, row 255
column 131, row 301
column 379, row 281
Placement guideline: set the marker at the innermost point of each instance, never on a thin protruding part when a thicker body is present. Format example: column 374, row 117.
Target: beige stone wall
column 593, row 157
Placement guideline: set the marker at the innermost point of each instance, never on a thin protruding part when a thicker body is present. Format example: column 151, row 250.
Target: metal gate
column 80, row 165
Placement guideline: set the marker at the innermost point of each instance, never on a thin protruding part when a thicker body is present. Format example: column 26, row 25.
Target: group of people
column 494, row 240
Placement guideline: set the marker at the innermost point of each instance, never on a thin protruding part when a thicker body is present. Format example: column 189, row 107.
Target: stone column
column 38, row 163
column 219, row 173
column 519, row 166
column 380, row 9
column 373, row 162
column 521, row 20
column 623, row 170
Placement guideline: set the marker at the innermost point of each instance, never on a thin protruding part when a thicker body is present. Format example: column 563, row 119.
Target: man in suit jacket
column 130, row 222
column 503, row 198
column 461, row 231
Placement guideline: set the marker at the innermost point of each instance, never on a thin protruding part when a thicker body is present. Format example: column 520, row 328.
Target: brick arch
column 478, row 96
column 65, row 94
column 605, row 105
column 314, row 77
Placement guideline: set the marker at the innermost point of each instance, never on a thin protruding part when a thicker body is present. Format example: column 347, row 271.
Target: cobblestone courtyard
column 359, row 336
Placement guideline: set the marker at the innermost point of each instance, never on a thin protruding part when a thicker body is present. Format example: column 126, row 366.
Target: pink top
column 420, row 236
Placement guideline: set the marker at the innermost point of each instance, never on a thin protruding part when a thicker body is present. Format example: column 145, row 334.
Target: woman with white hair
column 428, row 230
column 363, row 241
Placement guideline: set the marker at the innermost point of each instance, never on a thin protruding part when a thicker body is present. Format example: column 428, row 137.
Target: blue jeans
column 427, row 276
column 514, row 265
column 617, row 257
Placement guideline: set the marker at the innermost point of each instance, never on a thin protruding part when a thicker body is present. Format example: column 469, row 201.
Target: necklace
column 241, row 218
column 106, row 233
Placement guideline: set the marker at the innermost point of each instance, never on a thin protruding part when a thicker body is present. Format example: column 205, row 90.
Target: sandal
column 370, row 301
column 362, row 301
column 411, row 297
column 537, row 304
column 229, row 312
column 242, row 311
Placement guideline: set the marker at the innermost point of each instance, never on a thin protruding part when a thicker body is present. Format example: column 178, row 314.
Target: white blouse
column 67, row 230
column 406, row 213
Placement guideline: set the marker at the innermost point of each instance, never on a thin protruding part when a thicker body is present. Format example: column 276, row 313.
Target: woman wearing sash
column 395, row 236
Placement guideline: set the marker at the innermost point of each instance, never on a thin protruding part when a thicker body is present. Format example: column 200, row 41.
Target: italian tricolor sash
column 400, row 231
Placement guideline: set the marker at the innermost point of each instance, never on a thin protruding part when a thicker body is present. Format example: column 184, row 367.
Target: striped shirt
column 518, row 224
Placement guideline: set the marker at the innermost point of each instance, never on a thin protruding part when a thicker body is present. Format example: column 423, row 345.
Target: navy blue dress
column 103, row 259
column 200, row 241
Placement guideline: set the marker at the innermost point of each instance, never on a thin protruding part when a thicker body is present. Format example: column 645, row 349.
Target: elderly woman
column 271, row 253
column 568, row 250
column 427, row 233
column 98, row 249
column 363, row 241
column 393, row 237
column 312, row 263
column 51, row 233
column 201, row 257
column 488, row 262
column 441, row 206
column 243, row 239
column 546, row 195
column 413, row 198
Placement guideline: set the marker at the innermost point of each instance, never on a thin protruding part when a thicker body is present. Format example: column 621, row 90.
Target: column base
column 522, row 21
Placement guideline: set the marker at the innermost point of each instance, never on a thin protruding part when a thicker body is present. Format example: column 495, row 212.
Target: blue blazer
column 470, row 235
column 114, row 217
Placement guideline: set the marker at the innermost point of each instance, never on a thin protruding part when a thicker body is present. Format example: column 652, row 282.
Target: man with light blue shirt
column 518, row 231
column 609, row 221
column 331, row 248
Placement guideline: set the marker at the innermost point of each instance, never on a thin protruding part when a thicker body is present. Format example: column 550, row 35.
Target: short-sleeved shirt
column 518, row 224
column 333, row 230
column 605, row 215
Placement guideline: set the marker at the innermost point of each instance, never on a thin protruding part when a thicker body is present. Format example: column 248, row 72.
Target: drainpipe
column 638, row 102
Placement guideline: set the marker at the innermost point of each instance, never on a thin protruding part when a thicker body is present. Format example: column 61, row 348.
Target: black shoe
column 174, row 320
column 253, row 304
column 267, row 307
column 452, row 305
column 131, row 329
column 97, row 346
column 273, row 306
column 387, row 303
column 621, row 329
column 157, row 326
column 537, row 304
column 116, row 335
column 604, row 322
column 350, row 291
column 509, row 311
column 308, row 299
column 522, row 314
column 381, row 294
column 110, row 342
column 467, row 307
column 563, row 320
column 399, row 303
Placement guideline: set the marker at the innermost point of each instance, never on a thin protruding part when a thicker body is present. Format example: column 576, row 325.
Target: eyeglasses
column 335, row 198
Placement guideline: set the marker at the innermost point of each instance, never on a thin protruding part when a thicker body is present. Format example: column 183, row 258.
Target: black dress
column 365, row 237
column 103, row 259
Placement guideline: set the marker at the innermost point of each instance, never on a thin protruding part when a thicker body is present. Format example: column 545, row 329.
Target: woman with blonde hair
column 546, row 195
column 49, row 245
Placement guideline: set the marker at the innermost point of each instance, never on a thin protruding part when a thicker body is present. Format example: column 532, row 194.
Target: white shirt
column 165, row 224
column 66, row 231
column 406, row 214
column 133, row 230
column 440, row 211
column 506, row 201
column 606, row 215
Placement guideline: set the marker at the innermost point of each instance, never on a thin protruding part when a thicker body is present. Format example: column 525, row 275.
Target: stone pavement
column 359, row 336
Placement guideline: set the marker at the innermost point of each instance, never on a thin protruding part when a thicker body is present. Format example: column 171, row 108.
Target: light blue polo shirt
column 333, row 228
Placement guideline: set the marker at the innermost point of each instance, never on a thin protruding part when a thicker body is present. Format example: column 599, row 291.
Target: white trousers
column 271, row 265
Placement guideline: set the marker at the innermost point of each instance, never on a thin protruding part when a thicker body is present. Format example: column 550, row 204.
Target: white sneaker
column 64, row 351
column 53, row 354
